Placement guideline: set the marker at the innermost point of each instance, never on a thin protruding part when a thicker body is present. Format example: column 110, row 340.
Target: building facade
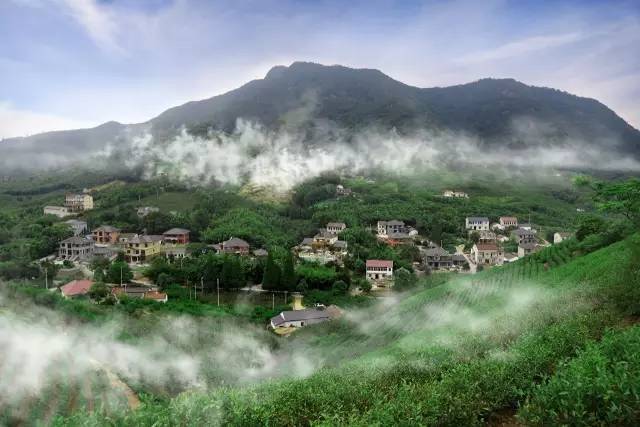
column 487, row 254
column 143, row 248
column 176, row 236
column 76, row 248
column 78, row 202
column 106, row 235
column 59, row 211
column 379, row 270
column 477, row 223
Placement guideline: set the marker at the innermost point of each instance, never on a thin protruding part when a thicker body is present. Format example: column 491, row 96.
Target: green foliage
column 339, row 288
column 272, row 274
column 118, row 272
column 403, row 280
column 317, row 276
column 600, row 386
column 288, row 280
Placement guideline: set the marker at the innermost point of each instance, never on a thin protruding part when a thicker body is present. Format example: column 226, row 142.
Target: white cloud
column 98, row 21
column 521, row 47
column 16, row 122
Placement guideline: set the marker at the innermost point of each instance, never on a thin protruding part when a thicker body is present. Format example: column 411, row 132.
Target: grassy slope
column 449, row 355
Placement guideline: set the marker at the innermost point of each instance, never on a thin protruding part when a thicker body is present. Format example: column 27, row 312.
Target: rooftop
column 76, row 287
column 379, row 263
column 176, row 231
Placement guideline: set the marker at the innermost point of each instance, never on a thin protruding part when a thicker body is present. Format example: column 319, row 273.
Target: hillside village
column 489, row 243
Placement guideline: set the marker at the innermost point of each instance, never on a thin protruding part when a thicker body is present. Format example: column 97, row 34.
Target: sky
column 79, row 63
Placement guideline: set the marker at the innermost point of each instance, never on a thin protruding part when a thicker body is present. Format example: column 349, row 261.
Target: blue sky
column 79, row 63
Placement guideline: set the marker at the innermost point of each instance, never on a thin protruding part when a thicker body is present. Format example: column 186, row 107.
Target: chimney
column 297, row 301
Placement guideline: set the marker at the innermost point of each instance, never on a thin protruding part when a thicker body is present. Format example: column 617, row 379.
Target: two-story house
column 176, row 236
column 386, row 228
column 143, row 248
column 508, row 221
column 78, row 202
column 487, row 254
column 379, row 270
column 522, row 235
column 76, row 248
column 477, row 223
column 106, row 235
column 336, row 227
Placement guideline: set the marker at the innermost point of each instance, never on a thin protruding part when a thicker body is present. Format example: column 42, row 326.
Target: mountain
column 498, row 112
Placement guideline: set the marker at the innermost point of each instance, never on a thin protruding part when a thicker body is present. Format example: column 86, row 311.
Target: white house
column 336, row 227
column 487, row 254
column 59, row 211
column 391, row 227
column 477, row 223
column 453, row 193
column 526, row 248
column 379, row 270
column 561, row 236
column 304, row 317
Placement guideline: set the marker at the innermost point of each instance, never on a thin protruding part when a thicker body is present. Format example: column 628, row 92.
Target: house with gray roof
column 477, row 223
column 76, row 248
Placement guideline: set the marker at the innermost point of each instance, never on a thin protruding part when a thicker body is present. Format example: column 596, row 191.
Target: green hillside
column 458, row 351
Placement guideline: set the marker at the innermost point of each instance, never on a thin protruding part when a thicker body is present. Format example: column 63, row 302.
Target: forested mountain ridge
column 308, row 96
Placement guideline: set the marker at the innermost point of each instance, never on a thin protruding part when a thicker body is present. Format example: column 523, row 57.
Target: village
column 491, row 242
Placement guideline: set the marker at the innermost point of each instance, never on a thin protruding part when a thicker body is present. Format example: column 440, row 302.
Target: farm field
column 476, row 345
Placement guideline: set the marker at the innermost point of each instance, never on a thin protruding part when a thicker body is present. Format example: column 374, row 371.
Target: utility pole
column 285, row 297
column 273, row 300
column 218, row 290
column 46, row 278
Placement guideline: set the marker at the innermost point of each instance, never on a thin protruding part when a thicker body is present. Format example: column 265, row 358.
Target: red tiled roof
column 76, row 287
column 155, row 295
column 379, row 263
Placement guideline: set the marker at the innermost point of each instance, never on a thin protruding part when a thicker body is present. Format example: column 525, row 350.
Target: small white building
column 477, row 223
column 304, row 317
column 379, row 270
column 336, row 227
column 59, row 211
column 456, row 194
column 561, row 237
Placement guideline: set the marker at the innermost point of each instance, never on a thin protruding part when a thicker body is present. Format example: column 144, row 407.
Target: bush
column 340, row 288
column 601, row 386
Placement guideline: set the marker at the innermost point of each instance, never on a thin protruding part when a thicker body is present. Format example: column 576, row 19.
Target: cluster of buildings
column 74, row 203
column 325, row 246
column 81, row 288
column 395, row 232
column 108, row 241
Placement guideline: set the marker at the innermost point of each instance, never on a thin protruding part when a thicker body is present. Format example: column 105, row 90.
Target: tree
column 339, row 288
column 622, row 198
column 119, row 272
column 474, row 237
column 404, row 279
column 272, row 273
column 98, row 291
column 588, row 225
column 364, row 285
column 288, row 279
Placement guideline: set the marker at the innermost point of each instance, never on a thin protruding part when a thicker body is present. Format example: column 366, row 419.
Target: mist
column 280, row 159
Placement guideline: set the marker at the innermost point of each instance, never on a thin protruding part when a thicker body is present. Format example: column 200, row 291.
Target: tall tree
column 288, row 280
column 272, row 274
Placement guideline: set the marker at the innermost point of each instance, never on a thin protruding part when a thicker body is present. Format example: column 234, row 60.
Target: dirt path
column 133, row 400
